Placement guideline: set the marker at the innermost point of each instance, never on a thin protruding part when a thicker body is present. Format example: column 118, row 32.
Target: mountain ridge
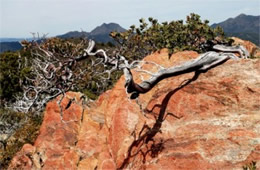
column 107, row 28
column 244, row 26
column 74, row 34
column 99, row 33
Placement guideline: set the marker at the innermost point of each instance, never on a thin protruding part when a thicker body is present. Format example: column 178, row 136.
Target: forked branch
column 203, row 63
column 53, row 77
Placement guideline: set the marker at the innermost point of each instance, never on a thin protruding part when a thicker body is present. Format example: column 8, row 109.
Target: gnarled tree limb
column 54, row 77
column 203, row 63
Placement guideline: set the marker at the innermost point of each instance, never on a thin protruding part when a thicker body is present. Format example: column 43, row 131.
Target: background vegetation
column 194, row 34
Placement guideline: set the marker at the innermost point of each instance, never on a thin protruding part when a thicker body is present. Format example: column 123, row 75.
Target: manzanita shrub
column 194, row 34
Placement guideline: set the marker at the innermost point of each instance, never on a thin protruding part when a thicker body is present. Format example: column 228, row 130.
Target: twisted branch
column 53, row 77
column 203, row 63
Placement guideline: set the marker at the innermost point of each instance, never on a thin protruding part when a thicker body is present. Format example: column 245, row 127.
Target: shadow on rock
column 141, row 143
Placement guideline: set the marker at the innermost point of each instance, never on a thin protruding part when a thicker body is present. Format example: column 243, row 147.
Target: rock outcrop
column 253, row 49
column 210, row 123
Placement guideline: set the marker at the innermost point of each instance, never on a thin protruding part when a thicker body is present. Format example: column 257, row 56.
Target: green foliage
column 59, row 47
column 13, row 73
column 90, row 94
column 15, row 68
column 195, row 34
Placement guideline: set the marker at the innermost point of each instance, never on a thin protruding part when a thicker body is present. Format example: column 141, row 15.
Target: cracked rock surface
column 210, row 123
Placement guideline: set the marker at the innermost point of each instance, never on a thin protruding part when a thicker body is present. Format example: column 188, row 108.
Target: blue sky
column 20, row 17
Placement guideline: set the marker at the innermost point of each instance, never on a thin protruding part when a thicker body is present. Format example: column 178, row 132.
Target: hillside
column 12, row 39
column 10, row 46
column 99, row 34
column 74, row 34
column 106, row 29
column 246, row 27
column 210, row 123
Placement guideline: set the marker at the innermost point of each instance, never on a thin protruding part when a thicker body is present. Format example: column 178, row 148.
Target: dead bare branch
column 203, row 63
column 53, row 77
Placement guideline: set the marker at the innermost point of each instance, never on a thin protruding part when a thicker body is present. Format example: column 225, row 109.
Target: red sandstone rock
column 251, row 47
column 211, row 123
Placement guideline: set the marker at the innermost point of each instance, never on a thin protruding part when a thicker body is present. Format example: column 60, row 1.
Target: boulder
column 253, row 49
column 210, row 123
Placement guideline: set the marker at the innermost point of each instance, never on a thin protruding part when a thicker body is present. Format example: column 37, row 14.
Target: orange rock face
column 210, row 123
column 251, row 47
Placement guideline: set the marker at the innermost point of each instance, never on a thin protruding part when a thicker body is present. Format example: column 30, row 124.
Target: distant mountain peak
column 243, row 26
column 241, row 15
column 109, row 24
column 74, row 34
column 107, row 28
column 99, row 34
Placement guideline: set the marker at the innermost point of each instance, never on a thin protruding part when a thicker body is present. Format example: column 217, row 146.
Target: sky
column 20, row 17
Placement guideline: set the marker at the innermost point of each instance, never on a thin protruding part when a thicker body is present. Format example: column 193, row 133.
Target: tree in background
column 195, row 34
column 14, row 70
